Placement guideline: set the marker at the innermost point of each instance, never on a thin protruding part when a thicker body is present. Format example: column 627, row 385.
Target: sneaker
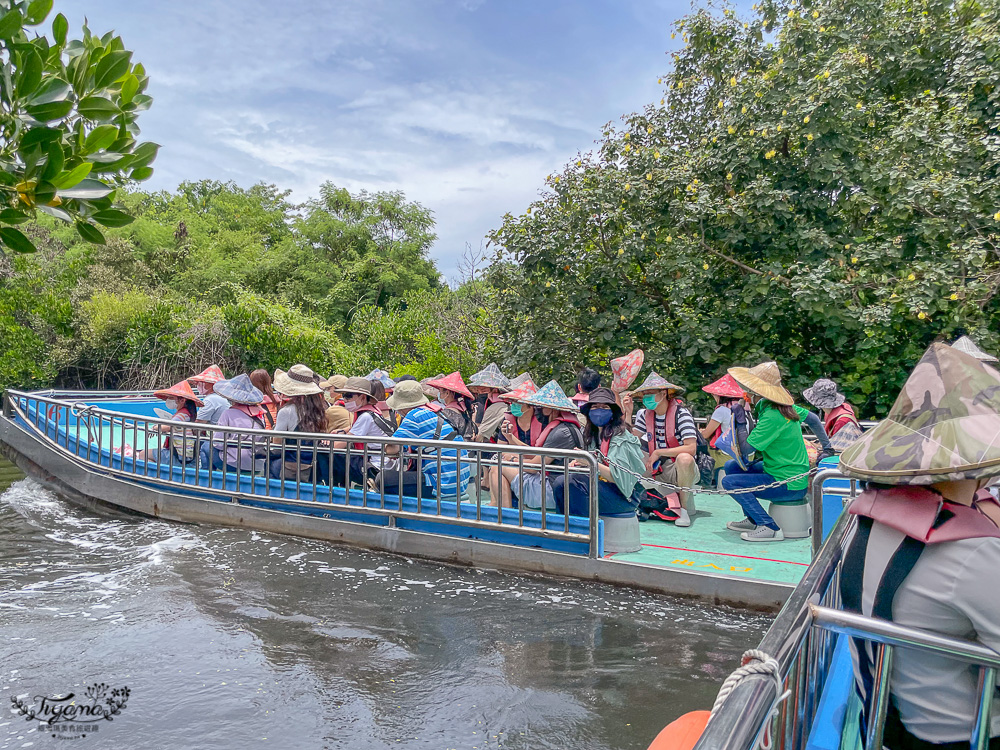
column 683, row 519
column 643, row 516
column 762, row 534
column 745, row 525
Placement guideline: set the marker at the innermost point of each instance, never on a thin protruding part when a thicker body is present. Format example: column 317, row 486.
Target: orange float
column 682, row 733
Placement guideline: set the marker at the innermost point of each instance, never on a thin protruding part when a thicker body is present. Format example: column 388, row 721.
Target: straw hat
column 625, row 369
column 383, row 377
column 520, row 380
column 655, row 383
column 968, row 346
column 602, row 396
column 550, row 396
column 407, row 395
column 764, row 380
column 725, row 387
column 429, row 390
column 211, row 374
column 179, row 390
column 298, row 381
column 452, row 382
column 336, row 382
column 240, row 390
column 824, row 394
column 490, row 377
column 522, row 391
column 356, row 385
column 944, row 425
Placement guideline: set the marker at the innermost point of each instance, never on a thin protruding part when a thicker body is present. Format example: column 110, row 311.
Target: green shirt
column 780, row 444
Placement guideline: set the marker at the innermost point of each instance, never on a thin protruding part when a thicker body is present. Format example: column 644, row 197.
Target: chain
column 704, row 490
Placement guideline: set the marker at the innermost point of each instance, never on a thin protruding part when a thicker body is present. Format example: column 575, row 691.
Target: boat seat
column 793, row 518
column 621, row 533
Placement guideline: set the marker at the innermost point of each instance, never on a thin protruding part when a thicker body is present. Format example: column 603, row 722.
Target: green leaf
column 97, row 108
column 73, row 177
column 87, row 189
column 144, row 154
column 112, row 218
column 15, row 240
column 13, row 216
column 54, row 163
column 30, row 75
column 51, row 111
column 53, row 90
column 142, row 173
column 100, row 138
column 44, row 192
column 55, row 212
column 10, row 24
column 130, row 87
column 111, row 67
column 38, row 137
column 90, row 233
column 38, row 11
column 60, row 27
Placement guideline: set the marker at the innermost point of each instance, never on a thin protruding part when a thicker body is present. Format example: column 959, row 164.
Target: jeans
column 610, row 500
column 754, row 476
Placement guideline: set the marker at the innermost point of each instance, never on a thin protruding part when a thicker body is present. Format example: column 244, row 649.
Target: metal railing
column 802, row 640
column 311, row 469
column 816, row 493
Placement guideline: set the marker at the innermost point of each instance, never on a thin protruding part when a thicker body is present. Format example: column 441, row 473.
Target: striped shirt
column 684, row 427
column 421, row 424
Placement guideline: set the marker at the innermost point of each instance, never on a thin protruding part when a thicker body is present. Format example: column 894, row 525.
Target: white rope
column 755, row 662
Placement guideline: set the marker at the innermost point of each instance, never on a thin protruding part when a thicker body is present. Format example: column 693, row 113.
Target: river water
column 230, row 639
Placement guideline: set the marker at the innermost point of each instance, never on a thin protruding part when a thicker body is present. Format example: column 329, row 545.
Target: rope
column 703, row 490
column 754, row 662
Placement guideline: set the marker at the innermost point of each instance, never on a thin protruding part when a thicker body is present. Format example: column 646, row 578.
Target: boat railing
column 802, row 640
column 128, row 445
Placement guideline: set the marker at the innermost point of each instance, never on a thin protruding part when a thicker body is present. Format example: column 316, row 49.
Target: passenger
column 781, row 453
column 181, row 400
column 421, row 423
column 368, row 422
column 728, row 397
column 213, row 408
column 303, row 412
column 261, row 380
column 671, row 440
column 245, row 413
column 927, row 545
column 618, row 487
column 486, row 386
column 587, row 381
column 383, row 377
column 838, row 415
column 519, row 425
column 456, row 403
column 559, row 429
column 336, row 418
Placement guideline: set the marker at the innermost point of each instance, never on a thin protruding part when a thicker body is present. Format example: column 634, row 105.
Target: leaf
column 112, row 218
column 142, row 173
column 51, row 111
column 44, row 192
column 90, row 233
column 73, row 177
column 54, row 163
column 111, row 67
column 144, row 154
column 100, row 138
column 53, row 90
column 10, row 24
column 60, row 27
column 97, row 108
column 13, row 216
column 15, row 240
column 55, row 212
column 88, row 189
column 30, row 75
column 38, row 137
column 130, row 87
column 38, row 11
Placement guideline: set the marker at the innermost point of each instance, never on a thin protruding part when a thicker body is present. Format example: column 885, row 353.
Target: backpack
column 736, row 433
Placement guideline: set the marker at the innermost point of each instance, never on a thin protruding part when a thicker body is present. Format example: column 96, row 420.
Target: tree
column 67, row 124
column 818, row 185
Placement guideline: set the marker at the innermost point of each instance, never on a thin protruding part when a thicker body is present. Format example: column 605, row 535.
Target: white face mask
column 352, row 406
column 171, row 404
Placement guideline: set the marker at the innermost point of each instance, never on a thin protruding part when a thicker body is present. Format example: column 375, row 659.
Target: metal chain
column 703, row 490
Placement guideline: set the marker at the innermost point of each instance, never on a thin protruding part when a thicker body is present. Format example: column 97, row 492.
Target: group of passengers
column 651, row 454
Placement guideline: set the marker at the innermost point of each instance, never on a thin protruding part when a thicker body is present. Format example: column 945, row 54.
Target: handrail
column 816, row 493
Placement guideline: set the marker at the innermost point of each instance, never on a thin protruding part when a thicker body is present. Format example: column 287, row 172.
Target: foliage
column 819, row 185
column 68, row 134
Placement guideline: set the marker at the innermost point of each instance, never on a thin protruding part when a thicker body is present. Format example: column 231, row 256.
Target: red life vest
column 533, row 431
column 362, row 410
column 838, row 418
column 670, row 426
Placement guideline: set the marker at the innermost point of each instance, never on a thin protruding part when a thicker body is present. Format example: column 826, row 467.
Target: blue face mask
column 600, row 417
column 649, row 401
column 516, row 410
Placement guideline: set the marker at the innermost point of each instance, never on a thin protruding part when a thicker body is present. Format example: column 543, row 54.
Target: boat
column 88, row 446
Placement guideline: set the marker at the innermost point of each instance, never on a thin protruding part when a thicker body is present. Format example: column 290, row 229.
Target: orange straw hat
column 211, row 374
column 453, row 383
column 179, row 390
column 527, row 388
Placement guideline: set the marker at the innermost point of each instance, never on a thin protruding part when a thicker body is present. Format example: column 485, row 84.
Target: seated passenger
column 838, row 415
column 181, row 400
column 336, row 418
column 368, row 422
column 728, row 396
column 587, row 381
column 618, row 486
column 213, row 406
column 671, row 440
column 244, row 413
column 304, row 411
column 927, row 546
column 421, row 423
column 455, row 401
column 261, row 380
column 486, row 386
column 780, row 451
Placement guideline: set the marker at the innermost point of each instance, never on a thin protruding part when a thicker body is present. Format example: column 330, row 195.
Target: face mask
column 600, row 417
column 352, row 406
column 171, row 404
column 482, row 398
column 649, row 401
column 517, row 410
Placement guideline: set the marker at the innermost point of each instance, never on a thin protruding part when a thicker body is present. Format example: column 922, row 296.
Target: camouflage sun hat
column 944, row 426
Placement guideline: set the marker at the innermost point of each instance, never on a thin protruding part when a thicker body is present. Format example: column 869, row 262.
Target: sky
column 464, row 105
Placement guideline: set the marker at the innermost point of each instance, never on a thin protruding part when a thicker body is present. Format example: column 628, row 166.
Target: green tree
column 68, row 125
column 818, row 185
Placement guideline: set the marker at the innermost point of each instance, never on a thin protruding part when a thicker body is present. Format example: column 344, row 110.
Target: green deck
column 707, row 545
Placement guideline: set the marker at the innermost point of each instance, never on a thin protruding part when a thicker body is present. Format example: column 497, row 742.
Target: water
column 232, row 638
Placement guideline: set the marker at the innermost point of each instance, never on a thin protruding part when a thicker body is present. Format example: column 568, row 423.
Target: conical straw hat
column 654, row 382
column 179, row 390
column 944, row 426
column 452, row 382
column 725, row 387
column 211, row 374
column 490, row 377
column 550, row 396
column 968, row 346
column 764, row 380
column 625, row 369
column 524, row 390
